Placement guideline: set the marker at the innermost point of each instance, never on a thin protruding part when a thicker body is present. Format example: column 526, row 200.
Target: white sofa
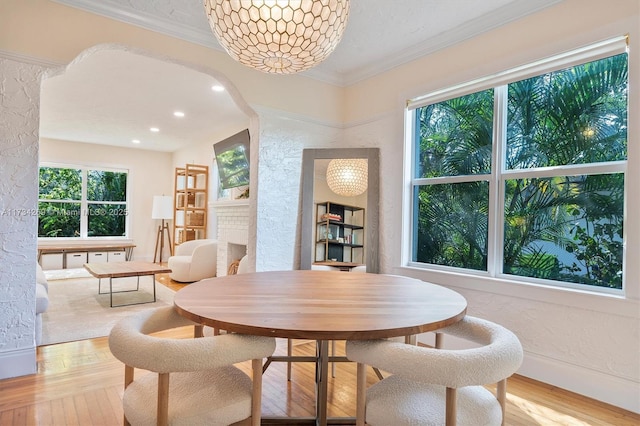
column 194, row 260
column 42, row 300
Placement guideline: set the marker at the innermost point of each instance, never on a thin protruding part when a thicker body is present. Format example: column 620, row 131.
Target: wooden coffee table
column 123, row 270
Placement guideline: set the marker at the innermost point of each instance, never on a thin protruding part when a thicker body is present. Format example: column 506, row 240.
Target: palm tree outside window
column 542, row 158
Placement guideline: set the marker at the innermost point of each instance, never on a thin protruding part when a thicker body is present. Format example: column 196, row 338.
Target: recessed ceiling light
column 135, row 141
column 154, row 129
column 178, row 113
column 217, row 88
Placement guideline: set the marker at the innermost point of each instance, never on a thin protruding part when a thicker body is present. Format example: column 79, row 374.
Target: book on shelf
column 331, row 216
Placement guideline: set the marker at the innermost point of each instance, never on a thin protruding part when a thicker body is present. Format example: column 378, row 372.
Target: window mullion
column 496, row 186
column 451, row 179
column 567, row 170
column 84, row 217
column 410, row 230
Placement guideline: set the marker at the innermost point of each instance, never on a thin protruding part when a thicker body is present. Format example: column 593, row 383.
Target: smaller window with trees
column 80, row 202
column 526, row 177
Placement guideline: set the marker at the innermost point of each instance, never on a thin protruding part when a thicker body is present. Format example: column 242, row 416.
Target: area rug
column 64, row 274
column 76, row 311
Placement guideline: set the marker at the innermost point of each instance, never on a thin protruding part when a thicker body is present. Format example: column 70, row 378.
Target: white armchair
column 244, row 267
column 194, row 260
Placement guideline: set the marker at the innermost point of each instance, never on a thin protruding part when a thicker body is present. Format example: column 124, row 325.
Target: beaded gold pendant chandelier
column 278, row 36
column 347, row 176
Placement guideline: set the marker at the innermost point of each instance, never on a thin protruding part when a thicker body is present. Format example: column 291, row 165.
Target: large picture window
column 81, row 202
column 526, row 178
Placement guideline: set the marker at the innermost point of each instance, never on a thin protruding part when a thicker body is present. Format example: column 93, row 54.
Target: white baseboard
column 617, row 391
column 19, row 362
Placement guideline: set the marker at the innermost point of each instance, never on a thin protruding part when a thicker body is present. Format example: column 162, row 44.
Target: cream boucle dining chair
column 437, row 386
column 196, row 381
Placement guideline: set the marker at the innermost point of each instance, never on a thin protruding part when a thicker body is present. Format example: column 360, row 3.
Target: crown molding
column 508, row 13
column 19, row 57
column 173, row 29
column 511, row 12
column 146, row 21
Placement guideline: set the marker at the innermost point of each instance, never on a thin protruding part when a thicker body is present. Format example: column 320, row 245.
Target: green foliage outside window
column 455, row 140
column 106, row 186
column 106, row 220
column 455, row 136
column 59, row 206
column 566, row 227
column 61, row 199
column 449, row 235
column 233, row 167
column 60, row 184
column 58, row 219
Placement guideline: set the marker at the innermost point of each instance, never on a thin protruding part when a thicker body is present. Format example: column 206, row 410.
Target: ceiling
column 124, row 94
column 112, row 96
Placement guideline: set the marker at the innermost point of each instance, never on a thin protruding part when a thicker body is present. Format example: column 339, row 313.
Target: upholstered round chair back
column 196, row 376
column 423, row 379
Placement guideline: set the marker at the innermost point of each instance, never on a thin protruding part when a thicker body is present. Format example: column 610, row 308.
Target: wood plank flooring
column 80, row 383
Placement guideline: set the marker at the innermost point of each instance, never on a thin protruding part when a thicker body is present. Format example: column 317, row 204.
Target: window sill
column 599, row 302
column 44, row 241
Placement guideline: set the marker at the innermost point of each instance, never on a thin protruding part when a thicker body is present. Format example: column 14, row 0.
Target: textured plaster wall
column 574, row 336
column 282, row 139
column 19, row 103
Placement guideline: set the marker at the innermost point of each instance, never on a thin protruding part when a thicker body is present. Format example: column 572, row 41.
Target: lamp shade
column 162, row 207
column 347, row 176
column 278, row 36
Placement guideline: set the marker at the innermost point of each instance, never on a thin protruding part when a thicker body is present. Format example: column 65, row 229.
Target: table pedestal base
column 267, row 421
column 321, row 360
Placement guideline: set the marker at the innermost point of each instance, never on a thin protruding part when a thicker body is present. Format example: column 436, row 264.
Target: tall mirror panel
column 340, row 192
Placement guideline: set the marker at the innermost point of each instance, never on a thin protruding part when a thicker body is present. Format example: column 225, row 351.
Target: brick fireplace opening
column 233, row 232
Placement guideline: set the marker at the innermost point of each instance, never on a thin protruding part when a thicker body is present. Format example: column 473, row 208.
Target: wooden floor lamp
column 162, row 209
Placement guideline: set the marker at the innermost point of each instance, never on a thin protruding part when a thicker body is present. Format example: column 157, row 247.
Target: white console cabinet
column 75, row 255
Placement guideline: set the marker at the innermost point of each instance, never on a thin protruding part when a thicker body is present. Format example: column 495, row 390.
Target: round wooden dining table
column 321, row 306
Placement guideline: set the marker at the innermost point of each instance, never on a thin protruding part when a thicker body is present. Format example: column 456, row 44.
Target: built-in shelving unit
column 339, row 233
column 190, row 197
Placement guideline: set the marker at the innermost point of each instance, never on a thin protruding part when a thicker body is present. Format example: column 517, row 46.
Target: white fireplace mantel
column 224, row 203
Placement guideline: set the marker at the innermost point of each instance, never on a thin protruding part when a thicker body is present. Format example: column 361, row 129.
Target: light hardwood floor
column 80, row 383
